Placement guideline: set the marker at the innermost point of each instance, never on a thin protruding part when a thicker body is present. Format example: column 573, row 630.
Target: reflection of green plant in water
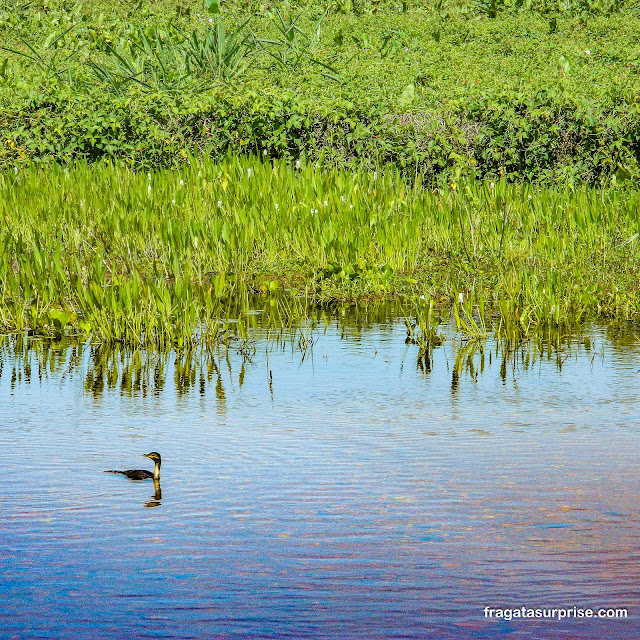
column 286, row 325
column 422, row 325
column 465, row 360
column 422, row 330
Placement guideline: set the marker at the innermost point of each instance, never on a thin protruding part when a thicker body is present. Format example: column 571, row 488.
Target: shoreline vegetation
column 544, row 92
column 155, row 259
column 160, row 162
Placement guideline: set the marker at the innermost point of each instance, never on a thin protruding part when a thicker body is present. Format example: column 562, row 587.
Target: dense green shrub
column 549, row 137
column 444, row 89
column 544, row 136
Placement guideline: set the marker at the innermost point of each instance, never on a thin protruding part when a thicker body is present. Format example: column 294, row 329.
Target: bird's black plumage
column 143, row 474
column 135, row 474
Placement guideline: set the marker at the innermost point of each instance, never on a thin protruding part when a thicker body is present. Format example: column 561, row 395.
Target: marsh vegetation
column 159, row 161
column 154, row 259
column 538, row 91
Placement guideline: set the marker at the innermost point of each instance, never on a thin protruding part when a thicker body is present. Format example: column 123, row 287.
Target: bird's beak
column 146, row 455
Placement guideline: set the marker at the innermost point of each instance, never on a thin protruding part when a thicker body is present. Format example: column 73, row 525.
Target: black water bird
column 143, row 474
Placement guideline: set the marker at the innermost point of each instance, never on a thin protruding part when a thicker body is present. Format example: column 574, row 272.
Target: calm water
column 346, row 494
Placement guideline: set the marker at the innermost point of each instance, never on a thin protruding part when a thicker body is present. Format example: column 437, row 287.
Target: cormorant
column 143, row 474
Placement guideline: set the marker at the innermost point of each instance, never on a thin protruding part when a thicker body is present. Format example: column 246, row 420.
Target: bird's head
column 154, row 455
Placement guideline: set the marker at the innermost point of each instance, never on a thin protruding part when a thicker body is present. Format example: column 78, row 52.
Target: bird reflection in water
column 156, row 499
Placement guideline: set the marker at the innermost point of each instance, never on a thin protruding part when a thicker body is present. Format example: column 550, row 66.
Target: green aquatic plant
column 470, row 323
column 422, row 324
column 157, row 261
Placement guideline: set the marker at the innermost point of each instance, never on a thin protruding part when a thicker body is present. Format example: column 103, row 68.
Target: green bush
column 455, row 88
column 543, row 137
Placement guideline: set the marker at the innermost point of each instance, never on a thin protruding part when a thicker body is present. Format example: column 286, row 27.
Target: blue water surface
column 339, row 493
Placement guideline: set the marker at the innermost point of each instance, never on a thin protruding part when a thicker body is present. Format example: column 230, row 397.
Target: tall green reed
column 150, row 259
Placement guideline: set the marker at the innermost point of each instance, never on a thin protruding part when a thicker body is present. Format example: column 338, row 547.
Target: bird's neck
column 156, row 471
